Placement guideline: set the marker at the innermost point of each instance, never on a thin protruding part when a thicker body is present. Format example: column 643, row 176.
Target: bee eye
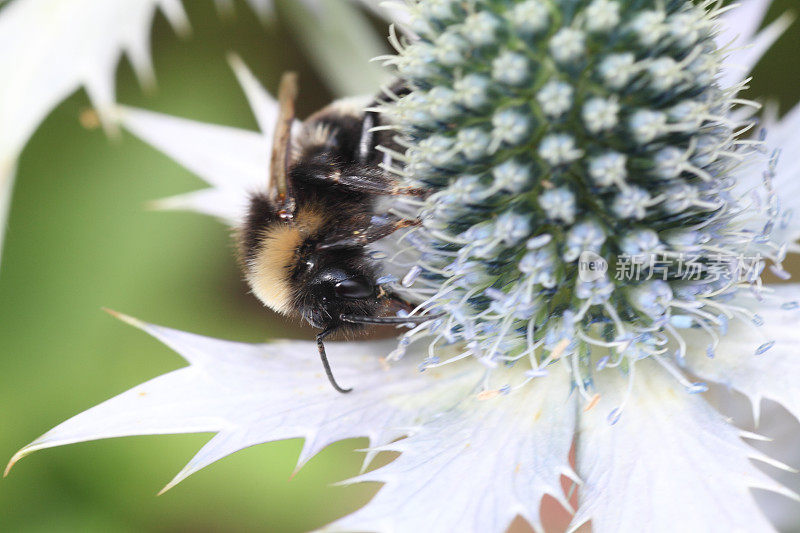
column 358, row 287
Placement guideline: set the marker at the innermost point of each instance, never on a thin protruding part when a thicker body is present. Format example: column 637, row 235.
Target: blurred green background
column 79, row 239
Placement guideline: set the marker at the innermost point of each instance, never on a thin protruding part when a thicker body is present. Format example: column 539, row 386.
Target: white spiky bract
column 487, row 440
column 52, row 48
column 667, row 464
column 232, row 160
column 233, row 377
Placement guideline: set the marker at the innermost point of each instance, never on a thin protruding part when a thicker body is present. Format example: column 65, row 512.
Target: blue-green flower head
column 581, row 157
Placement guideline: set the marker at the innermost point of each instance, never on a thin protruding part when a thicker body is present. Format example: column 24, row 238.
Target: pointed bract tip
column 177, row 479
column 109, row 123
column 365, row 464
column 187, row 471
column 755, row 404
column 181, row 202
column 301, row 462
column 573, row 476
column 575, row 526
column 561, row 500
column 148, row 82
column 234, row 60
column 179, row 21
column 161, row 204
column 135, row 322
column 173, row 203
column 792, row 495
column 785, row 20
column 17, row 456
column 350, row 481
column 754, row 436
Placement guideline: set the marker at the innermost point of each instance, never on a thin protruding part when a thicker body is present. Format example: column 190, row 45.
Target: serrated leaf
column 773, row 374
column 253, row 393
column 477, row 466
column 670, row 463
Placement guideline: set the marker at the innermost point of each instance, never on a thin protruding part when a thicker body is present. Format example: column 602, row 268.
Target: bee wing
column 379, row 227
column 357, row 179
column 281, row 143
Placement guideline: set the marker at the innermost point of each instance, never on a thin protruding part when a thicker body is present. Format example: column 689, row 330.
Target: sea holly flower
column 550, row 140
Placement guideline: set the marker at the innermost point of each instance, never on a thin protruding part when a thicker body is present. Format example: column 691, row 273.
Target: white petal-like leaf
column 670, row 463
column 739, row 32
column 747, row 44
column 220, row 155
column 773, row 374
column 254, row 393
column 395, row 11
column 7, row 170
column 782, row 133
column 53, row 47
column 228, row 205
column 60, row 45
column 782, row 136
column 783, row 431
column 232, row 160
column 741, row 23
column 781, row 143
column 264, row 106
column 477, row 466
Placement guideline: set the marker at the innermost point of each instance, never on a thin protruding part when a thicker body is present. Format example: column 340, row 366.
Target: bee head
column 344, row 285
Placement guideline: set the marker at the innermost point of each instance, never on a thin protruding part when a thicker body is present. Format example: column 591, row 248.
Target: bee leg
column 389, row 320
column 324, row 357
column 378, row 229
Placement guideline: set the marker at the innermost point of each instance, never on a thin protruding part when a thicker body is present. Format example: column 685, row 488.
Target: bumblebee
column 303, row 242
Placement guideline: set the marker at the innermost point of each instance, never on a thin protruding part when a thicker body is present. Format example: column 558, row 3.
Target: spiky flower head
column 582, row 158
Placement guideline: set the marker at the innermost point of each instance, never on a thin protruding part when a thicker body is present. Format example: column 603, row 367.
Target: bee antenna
column 353, row 319
column 324, row 357
column 281, row 144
